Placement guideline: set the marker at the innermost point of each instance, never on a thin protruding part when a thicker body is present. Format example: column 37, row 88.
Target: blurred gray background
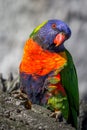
column 19, row 17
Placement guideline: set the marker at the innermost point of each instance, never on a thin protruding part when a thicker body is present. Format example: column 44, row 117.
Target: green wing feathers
column 70, row 83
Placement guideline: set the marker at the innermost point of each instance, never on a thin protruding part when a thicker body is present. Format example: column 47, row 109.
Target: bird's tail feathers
column 73, row 118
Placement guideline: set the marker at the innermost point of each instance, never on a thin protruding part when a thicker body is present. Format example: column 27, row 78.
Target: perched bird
column 47, row 72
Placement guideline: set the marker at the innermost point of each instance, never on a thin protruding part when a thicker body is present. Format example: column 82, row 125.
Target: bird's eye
column 53, row 25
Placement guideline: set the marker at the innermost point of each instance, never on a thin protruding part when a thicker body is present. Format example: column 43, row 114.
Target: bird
column 47, row 72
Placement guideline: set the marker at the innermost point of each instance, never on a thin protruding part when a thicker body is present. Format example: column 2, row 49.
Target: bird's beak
column 59, row 39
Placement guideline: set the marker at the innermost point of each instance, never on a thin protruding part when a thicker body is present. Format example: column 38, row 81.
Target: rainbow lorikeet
column 47, row 72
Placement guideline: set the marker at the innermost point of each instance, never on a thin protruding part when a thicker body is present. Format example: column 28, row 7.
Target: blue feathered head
column 51, row 33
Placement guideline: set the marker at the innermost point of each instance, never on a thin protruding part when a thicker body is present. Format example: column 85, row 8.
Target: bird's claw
column 57, row 115
column 23, row 96
column 19, row 94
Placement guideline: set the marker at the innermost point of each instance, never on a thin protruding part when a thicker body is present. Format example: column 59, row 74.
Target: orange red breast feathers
column 39, row 61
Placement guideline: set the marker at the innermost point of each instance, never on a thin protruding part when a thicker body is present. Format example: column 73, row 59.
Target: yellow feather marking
column 38, row 27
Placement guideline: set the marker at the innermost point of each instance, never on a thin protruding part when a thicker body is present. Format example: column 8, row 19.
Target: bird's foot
column 19, row 94
column 58, row 115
